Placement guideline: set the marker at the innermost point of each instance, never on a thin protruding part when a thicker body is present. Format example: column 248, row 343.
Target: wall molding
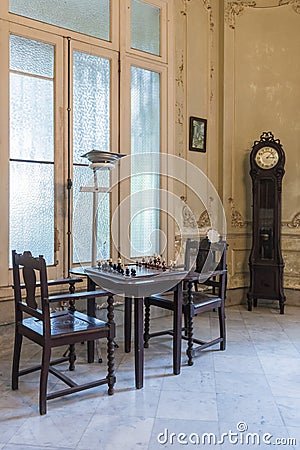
column 237, row 220
column 295, row 4
column 204, row 220
column 236, row 8
column 295, row 222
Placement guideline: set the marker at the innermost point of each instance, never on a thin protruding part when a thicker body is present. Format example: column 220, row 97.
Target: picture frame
column 197, row 136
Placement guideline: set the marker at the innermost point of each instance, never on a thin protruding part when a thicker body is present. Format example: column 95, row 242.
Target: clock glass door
column 266, row 219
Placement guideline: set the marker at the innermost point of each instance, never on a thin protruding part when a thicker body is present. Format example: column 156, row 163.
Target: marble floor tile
column 245, row 384
column 187, row 406
column 110, row 432
column 290, row 410
column 249, row 409
column 31, row 447
column 246, row 364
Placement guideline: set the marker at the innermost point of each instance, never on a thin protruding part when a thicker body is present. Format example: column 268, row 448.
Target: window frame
column 125, row 128
column 126, row 31
column 114, row 129
column 58, row 232
column 112, row 44
column 120, row 45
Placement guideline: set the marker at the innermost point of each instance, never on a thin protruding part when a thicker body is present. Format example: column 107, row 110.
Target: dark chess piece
column 127, row 271
column 133, row 272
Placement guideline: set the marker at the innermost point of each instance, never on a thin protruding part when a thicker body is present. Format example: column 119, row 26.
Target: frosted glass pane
column 31, row 209
column 32, row 57
column 83, row 213
column 31, row 118
column 91, row 18
column 91, row 104
column 145, row 138
column 145, row 27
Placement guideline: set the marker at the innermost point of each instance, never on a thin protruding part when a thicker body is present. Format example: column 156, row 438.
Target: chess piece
column 119, row 265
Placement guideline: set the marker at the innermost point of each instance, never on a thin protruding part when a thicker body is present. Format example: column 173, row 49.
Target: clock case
column 265, row 261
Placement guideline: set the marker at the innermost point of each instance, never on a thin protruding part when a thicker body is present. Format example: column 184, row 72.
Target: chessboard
column 135, row 280
column 142, row 268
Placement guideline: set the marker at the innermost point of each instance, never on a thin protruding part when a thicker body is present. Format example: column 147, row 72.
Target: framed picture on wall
column 197, row 137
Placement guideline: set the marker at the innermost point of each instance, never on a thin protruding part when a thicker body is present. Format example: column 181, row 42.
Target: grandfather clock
column 265, row 262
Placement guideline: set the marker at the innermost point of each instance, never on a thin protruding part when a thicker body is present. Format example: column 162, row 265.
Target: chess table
column 146, row 281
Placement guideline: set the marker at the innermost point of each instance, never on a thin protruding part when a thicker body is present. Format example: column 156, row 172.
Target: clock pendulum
column 265, row 262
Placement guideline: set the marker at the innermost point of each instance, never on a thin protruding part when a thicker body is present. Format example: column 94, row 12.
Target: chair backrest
column 31, row 269
column 205, row 256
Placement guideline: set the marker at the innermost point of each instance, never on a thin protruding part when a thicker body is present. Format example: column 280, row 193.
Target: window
column 145, row 27
column 32, row 146
column 145, row 181
column 72, row 15
column 70, row 70
column 91, row 130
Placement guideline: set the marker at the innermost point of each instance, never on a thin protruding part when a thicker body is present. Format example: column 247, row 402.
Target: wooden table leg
column 177, row 329
column 139, row 341
column 127, row 324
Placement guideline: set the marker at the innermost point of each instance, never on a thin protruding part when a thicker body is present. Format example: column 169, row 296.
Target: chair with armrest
column 54, row 329
column 204, row 289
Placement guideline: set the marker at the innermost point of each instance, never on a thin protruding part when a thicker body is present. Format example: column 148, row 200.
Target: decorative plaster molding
column 295, row 222
column 179, row 74
column 208, row 7
column 295, row 4
column 235, row 8
column 204, row 220
column 189, row 220
column 237, row 220
column 183, row 10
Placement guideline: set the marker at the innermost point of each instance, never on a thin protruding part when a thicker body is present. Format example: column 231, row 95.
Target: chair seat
column 202, row 299
column 65, row 322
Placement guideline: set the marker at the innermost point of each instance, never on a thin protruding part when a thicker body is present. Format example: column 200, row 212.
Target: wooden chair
column 54, row 329
column 204, row 290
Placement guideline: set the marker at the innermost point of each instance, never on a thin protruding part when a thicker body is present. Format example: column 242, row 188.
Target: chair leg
column 111, row 379
column 44, row 379
column 221, row 313
column 185, row 331
column 72, row 357
column 189, row 319
column 146, row 324
column 111, row 366
column 189, row 350
column 16, row 361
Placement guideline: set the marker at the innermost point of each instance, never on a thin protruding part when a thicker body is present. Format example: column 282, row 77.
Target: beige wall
column 238, row 65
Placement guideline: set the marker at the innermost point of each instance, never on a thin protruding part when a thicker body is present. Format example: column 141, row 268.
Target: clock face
column 266, row 157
